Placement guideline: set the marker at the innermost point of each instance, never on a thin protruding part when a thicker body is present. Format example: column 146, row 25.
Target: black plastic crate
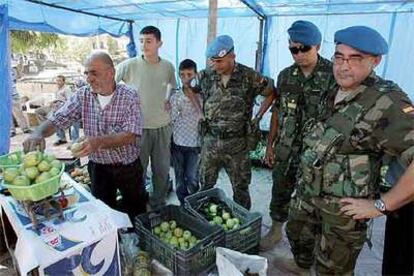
column 197, row 260
column 246, row 238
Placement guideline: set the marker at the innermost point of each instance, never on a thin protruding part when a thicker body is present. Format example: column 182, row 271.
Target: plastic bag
column 129, row 251
column 230, row 262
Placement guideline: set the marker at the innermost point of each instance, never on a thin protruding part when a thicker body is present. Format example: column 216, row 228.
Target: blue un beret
column 220, row 47
column 305, row 32
column 363, row 39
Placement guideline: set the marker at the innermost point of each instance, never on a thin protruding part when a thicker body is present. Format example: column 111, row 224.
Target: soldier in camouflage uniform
column 300, row 88
column 229, row 89
column 365, row 118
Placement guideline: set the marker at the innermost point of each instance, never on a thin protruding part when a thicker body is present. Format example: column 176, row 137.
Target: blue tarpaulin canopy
column 184, row 30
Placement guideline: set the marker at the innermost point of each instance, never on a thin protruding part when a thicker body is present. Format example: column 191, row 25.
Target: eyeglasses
column 303, row 49
column 352, row 60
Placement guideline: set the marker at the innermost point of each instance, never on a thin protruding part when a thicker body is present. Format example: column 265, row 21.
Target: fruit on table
column 81, row 175
column 68, row 200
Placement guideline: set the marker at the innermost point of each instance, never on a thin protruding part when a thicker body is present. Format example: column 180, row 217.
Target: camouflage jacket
column 343, row 150
column 228, row 110
column 299, row 99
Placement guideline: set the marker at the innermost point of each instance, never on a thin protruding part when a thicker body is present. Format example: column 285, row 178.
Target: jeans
column 74, row 131
column 186, row 163
column 60, row 133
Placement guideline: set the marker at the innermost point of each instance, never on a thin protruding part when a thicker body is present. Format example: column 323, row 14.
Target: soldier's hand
column 255, row 122
column 34, row 142
column 269, row 157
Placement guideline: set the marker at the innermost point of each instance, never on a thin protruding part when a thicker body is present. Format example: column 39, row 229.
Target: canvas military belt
column 224, row 134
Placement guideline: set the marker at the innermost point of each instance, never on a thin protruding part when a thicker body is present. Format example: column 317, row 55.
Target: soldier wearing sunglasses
column 301, row 87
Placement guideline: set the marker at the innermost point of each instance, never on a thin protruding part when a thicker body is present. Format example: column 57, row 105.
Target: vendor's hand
column 269, row 157
column 89, row 145
column 34, row 142
column 359, row 208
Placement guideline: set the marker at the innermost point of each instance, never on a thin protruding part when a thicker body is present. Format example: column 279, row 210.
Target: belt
column 226, row 135
column 115, row 165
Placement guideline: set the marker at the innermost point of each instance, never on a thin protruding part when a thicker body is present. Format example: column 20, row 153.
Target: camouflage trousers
column 318, row 231
column 233, row 156
column 284, row 179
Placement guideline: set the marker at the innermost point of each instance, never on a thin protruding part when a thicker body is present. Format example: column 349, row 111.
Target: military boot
column 288, row 266
column 272, row 237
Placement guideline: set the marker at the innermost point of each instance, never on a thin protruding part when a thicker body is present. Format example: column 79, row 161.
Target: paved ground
column 369, row 262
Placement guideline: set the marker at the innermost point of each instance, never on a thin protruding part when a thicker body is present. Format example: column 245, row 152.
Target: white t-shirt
column 104, row 100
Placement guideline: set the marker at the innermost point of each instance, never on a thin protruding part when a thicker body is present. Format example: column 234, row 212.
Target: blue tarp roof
column 162, row 9
column 184, row 28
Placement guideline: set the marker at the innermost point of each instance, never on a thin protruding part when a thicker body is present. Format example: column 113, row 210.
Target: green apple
column 165, row 226
column 187, row 235
column 43, row 166
column 10, row 174
column 49, row 157
column 178, row 232
column 54, row 171
column 31, row 172
column 56, row 163
column 42, row 177
column 31, row 159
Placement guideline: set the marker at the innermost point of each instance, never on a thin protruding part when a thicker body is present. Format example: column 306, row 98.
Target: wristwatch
column 380, row 205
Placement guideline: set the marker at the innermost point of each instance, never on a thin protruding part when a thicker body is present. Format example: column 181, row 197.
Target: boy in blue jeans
column 186, row 111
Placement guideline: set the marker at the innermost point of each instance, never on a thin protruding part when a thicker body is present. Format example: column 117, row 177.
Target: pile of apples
column 174, row 236
column 31, row 168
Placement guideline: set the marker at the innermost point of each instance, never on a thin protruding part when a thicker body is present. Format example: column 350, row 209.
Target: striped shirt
column 184, row 118
column 122, row 114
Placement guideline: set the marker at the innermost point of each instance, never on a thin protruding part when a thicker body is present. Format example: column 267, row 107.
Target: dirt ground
column 369, row 261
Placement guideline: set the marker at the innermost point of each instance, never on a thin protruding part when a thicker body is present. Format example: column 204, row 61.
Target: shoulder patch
column 408, row 109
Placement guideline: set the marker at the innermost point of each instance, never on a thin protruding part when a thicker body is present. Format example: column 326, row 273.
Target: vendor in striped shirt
column 112, row 121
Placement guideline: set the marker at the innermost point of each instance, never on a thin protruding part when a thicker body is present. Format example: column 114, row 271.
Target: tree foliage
column 24, row 41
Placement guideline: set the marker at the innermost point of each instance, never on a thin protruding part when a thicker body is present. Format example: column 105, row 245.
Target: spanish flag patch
column 408, row 110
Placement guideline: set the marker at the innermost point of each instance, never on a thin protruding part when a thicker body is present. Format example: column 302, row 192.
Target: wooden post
column 212, row 20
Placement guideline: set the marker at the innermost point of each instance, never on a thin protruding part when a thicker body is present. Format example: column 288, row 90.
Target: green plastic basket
column 36, row 192
column 6, row 162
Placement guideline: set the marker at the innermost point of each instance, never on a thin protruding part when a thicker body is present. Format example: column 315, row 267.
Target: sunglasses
column 303, row 49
